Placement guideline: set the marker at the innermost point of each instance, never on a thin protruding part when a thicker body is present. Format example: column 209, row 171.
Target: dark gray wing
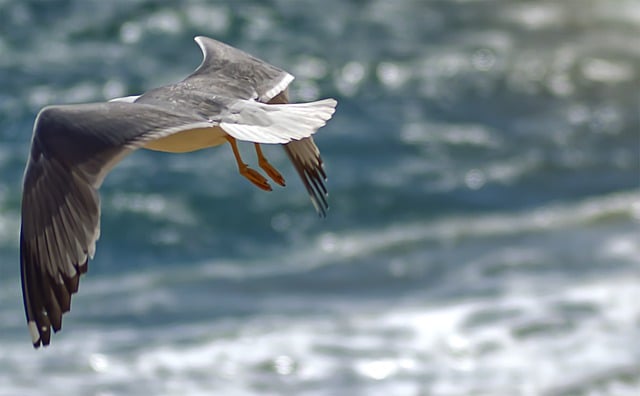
column 72, row 150
column 305, row 156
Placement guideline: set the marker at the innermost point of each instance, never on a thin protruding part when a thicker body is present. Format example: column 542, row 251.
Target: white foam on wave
column 452, row 134
column 527, row 338
column 530, row 337
column 535, row 16
column 154, row 205
column 342, row 248
column 624, row 246
column 540, row 347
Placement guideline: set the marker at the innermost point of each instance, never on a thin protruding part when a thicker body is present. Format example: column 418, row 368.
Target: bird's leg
column 251, row 174
column 267, row 167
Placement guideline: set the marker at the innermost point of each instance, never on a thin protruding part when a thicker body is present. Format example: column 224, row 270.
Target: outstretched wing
column 229, row 71
column 72, row 150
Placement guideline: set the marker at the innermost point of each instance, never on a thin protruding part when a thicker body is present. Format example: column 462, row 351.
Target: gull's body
column 231, row 96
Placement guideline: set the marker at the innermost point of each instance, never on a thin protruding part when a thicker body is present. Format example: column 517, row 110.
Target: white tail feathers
column 264, row 123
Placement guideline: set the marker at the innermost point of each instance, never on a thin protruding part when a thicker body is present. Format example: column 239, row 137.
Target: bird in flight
column 232, row 96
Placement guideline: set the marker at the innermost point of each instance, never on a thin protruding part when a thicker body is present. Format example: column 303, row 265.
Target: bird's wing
column 257, row 122
column 72, row 150
column 228, row 71
column 306, row 159
column 232, row 72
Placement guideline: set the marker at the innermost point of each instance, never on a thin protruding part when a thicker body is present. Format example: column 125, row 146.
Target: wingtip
column 323, row 212
column 329, row 102
column 35, row 334
column 199, row 40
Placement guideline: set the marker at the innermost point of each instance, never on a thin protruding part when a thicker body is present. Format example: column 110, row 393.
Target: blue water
column 484, row 177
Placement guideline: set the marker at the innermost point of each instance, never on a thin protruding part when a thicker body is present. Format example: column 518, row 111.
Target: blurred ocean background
column 484, row 230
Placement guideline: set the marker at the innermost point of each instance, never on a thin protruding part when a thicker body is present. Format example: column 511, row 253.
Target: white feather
column 277, row 124
column 281, row 86
column 33, row 330
column 126, row 99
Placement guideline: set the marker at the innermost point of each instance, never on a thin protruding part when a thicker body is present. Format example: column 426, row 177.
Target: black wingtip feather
column 313, row 179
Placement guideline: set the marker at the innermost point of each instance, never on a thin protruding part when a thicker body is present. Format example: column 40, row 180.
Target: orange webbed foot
column 255, row 177
column 251, row 174
column 268, row 168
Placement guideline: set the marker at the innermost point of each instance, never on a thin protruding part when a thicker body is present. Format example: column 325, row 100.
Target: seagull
column 232, row 96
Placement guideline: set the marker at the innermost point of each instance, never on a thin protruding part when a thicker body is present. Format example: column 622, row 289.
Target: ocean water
column 484, row 230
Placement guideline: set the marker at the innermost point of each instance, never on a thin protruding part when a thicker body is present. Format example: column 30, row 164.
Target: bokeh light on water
column 484, row 172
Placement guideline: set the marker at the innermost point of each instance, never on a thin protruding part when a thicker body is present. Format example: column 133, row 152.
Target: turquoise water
column 484, row 177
